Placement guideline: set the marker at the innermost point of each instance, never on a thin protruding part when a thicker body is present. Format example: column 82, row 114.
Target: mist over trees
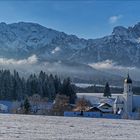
column 14, row 87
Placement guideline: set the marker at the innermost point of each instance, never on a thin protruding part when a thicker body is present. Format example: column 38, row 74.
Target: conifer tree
column 107, row 92
column 26, row 106
column 68, row 90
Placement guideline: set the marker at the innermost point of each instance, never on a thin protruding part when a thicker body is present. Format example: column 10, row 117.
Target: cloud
column 114, row 19
column 111, row 67
column 56, row 50
column 30, row 60
column 109, row 64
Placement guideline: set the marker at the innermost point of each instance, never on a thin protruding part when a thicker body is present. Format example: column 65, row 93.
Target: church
column 124, row 105
column 127, row 104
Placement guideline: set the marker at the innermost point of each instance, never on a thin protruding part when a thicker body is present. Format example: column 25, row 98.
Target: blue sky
column 84, row 18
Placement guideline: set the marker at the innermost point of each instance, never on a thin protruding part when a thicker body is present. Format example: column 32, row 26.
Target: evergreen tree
column 32, row 85
column 41, row 83
column 17, row 83
column 107, row 92
column 57, row 84
column 23, row 85
column 52, row 92
column 68, row 90
column 26, row 106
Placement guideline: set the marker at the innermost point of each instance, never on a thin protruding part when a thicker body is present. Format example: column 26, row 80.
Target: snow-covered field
column 26, row 127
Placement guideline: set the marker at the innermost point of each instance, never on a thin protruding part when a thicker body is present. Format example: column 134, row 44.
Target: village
column 124, row 105
column 118, row 106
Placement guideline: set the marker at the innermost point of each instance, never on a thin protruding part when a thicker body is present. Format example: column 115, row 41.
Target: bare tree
column 82, row 105
column 61, row 104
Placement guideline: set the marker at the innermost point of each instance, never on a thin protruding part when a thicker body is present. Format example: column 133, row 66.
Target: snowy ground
column 96, row 98
column 84, row 85
column 22, row 127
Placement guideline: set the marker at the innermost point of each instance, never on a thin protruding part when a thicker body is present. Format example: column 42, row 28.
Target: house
column 106, row 108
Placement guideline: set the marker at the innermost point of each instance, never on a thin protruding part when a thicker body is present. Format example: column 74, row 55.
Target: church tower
column 128, row 95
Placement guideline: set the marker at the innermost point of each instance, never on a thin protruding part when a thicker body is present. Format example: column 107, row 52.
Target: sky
column 84, row 18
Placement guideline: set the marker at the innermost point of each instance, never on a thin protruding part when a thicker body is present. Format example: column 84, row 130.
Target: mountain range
column 55, row 49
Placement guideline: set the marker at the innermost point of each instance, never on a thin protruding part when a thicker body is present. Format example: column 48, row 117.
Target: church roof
column 128, row 80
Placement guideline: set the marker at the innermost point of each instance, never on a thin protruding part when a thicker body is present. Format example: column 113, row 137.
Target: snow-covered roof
column 104, row 104
column 94, row 109
column 109, row 101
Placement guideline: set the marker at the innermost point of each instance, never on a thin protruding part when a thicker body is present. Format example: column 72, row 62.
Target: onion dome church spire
column 128, row 80
column 128, row 94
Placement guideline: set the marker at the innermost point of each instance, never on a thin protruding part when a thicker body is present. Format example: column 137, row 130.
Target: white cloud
column 30, row 60
column 114, row 19
column 56, row 50
column 109, row 64
column 111, row 67
column 102, row 65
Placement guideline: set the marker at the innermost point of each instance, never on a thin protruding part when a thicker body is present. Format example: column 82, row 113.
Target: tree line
column 15, row 87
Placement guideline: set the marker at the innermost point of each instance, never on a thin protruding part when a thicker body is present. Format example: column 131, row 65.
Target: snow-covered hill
column 29, row 127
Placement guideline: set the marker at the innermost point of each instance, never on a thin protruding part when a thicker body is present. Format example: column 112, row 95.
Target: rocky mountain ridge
column 20, row 40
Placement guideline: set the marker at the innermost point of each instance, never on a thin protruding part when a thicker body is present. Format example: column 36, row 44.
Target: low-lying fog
column 111, row 67
column 102, row 71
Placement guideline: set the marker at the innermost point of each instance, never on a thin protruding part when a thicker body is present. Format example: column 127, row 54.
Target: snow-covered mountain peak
column 137, row 25
column 20, row 40
column 120, row 31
